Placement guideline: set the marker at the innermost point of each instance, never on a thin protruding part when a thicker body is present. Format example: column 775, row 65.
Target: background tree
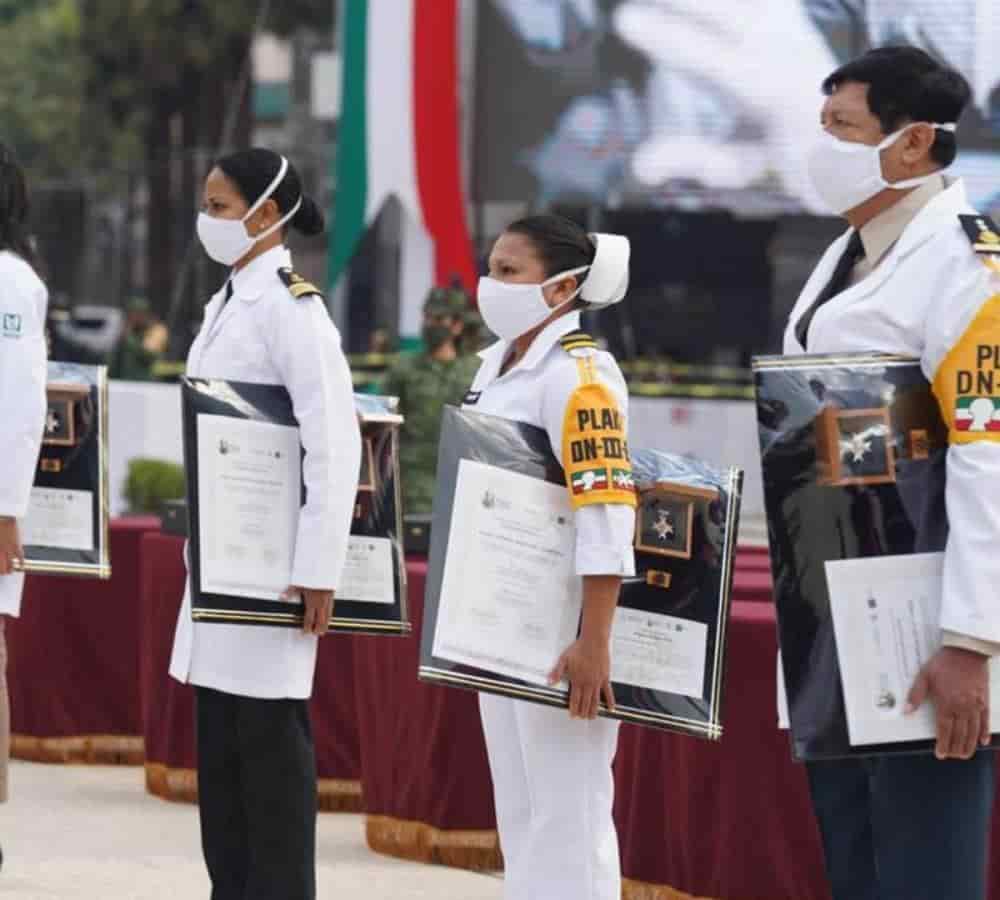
column 127, row 100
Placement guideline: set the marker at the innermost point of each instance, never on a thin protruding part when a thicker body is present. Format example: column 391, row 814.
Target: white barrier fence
column 145, row 421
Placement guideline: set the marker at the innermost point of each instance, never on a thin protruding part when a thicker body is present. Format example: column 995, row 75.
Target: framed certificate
column 853, row 454
column 66, row 529
column 503, row 600
column 243, row 460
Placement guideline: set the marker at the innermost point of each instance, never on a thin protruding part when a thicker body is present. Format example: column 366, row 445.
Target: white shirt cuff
column 604, row 559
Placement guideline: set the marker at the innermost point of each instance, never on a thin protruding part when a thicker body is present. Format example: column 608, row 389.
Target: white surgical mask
column 226, row 240
column 510, row 310
column 845, row 174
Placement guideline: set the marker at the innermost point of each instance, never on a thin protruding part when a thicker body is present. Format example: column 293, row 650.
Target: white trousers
column 554, row 792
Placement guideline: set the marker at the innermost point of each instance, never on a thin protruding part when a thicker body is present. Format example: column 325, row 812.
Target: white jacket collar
column 944, row 206
column 540, row 346
column 250, row 281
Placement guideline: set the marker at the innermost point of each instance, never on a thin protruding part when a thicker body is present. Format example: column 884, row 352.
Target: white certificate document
column 885, row 619
column 63, row 520
column 659, row 652
column 368, row 575
column 510, row 601
column 249, row 495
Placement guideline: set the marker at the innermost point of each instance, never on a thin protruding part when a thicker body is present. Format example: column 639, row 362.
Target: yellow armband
column 967, row 383
column 595, row 446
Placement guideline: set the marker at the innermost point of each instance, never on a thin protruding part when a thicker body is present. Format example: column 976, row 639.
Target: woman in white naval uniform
column 23, row 301
column 552, row 768
column 256, row 762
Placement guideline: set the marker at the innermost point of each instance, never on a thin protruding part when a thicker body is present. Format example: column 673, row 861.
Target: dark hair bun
column 309, row 219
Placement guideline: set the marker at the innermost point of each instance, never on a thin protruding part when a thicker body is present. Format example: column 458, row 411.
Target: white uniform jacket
column 23, row 305
column 933, row 298
column 266, row 336
column 557, row 389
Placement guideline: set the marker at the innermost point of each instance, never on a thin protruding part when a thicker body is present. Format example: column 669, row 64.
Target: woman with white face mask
column 256, row 763
column 552, row 768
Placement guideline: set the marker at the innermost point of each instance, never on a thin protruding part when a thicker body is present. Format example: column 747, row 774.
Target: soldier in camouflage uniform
column 425, row 382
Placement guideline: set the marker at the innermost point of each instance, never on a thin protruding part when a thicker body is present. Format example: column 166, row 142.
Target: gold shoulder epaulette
column 985, row 238
column 577, row 340
column 297, row 285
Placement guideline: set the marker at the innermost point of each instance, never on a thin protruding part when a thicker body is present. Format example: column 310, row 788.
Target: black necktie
column 854, row 251
column 229, row 292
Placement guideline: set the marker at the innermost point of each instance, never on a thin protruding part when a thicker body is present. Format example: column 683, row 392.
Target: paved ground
column 93, row 833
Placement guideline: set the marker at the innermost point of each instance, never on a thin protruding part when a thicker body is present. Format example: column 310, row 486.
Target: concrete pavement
column 93, row 833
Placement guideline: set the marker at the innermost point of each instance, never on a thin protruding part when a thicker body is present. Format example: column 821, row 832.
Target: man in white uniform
column 905, row 280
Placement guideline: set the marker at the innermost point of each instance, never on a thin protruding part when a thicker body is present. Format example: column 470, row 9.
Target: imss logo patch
column 10, row 325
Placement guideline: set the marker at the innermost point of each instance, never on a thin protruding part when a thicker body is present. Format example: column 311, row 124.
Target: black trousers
column 905, row 827
column 257, row 797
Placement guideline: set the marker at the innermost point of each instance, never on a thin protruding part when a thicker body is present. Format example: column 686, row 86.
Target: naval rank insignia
column 984, row 235
column 298, row 286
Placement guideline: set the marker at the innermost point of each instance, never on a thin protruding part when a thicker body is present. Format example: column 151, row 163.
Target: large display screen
column 693, row 104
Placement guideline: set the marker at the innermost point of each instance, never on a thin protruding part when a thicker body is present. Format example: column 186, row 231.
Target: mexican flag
column 399, row 135
column 622, row 479
column 589, row 480
column 977, row 414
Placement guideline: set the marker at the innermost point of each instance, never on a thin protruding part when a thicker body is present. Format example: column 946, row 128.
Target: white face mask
column 226, row 240
column 846, row 174
column 510, row 310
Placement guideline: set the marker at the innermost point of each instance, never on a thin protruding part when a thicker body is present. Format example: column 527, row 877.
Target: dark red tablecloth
column 752, row 585
column 721, row 820
column 426, row 778
column 168, row 707
column 73, row 661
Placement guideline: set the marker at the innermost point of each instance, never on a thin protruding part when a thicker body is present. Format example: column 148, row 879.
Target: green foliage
column 41, row 107
column 150, row 482
column 83, row 77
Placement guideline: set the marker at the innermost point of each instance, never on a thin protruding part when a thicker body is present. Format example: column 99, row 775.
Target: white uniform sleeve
column 305, row 346
column 23, row 301
column 962, row 360
column 604, row 531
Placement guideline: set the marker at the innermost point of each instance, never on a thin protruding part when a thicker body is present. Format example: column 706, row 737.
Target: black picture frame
column 696, row 589
column 76, row 460
column 814, row 517
column 381, row 517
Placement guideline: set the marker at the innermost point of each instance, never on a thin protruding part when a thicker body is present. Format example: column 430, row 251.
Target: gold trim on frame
column 478, row 850
column 710, row 730
column 813, row 361
column 202, row 614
